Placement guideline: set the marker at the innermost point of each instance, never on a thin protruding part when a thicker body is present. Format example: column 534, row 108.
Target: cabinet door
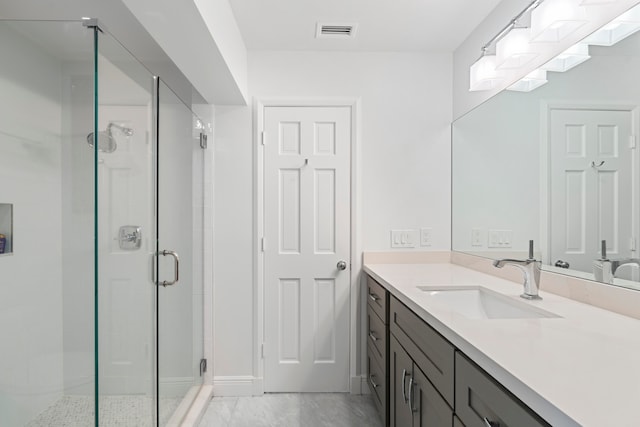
column 429, row 408
column 400, row 366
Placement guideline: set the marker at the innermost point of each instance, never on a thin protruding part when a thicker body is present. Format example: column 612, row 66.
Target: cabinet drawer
column 480, row 400
column 378, row 299
column 431, row 352
column 376, row 335
column 377, row 383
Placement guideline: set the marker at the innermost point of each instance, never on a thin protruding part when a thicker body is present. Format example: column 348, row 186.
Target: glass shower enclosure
column 101, row 233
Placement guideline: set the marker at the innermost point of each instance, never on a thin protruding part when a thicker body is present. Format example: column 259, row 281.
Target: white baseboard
column 242, row 385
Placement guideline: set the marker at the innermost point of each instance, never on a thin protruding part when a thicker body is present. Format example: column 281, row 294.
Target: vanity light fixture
column 531, row 81
column 484, row 74
column 514, row 49
column 618, row 29
column 554, row 20
column 568, row 59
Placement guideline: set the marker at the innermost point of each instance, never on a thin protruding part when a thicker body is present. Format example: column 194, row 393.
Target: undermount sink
column 478, row 302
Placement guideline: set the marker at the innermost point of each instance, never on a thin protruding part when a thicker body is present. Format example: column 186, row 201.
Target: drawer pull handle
column 488, row 423
column 404, row 379
column 411, row 385
column 374, row 297
column 373, row 337
column 373, row 383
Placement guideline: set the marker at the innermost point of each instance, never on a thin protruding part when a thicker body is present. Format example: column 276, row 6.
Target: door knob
column 342, row 265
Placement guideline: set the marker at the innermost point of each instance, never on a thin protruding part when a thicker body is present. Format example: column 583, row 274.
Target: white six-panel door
column 307, row 233
column 591, row 185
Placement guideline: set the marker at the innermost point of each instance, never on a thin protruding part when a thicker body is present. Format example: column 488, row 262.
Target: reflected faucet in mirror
column 604, row 269
column 530, row 268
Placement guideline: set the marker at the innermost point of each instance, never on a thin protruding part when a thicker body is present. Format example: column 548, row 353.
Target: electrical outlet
column 425, row 237
column 476, row 237
column 500, row 238
column 404, row 238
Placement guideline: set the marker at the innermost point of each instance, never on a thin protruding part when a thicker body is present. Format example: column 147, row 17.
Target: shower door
column 149, row 223
column 180, row 216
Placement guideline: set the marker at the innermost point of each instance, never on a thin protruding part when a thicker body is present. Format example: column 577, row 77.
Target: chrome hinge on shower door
column 203, row 366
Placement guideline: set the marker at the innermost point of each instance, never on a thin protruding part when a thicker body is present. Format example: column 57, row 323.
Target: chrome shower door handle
column 176, row 260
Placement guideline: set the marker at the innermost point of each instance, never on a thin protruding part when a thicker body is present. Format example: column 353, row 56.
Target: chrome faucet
column 531, row 269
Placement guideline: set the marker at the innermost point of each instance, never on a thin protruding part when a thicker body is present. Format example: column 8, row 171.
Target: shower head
column 106, row 140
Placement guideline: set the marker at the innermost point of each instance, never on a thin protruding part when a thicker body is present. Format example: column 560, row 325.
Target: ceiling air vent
column 335, row 30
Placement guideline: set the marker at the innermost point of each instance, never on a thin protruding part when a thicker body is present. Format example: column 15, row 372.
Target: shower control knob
column 342, row 265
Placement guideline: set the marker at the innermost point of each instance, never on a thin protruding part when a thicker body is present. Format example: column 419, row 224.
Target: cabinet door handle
column 373, row 337
column 488, row 423
column 411, row 384
column 373, row 297
column 373, row 383
column 404, row 379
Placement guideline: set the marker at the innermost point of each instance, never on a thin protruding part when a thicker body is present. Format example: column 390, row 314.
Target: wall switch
column 425, row 237
column 404, row 238
column 476, row 237
column 500, row 238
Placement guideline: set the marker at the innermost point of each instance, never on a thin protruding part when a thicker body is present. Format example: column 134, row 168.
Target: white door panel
column 591, row 180
column 307, row 232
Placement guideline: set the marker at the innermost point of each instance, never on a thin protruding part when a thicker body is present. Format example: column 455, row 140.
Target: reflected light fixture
column 568, row 59
column 531, row 81
column 554, row 20
column 618, row 29
column 484, row 75
column 514, row 49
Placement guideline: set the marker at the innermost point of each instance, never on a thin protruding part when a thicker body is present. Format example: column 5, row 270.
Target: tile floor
column 115, row 411
column 293, row 410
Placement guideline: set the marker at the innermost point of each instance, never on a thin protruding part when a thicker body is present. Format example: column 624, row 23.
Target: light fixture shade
column 553, row 20
column 530, row 82
column 568, row 59
column 621, row 27
column 514, row 49
column 483, row 74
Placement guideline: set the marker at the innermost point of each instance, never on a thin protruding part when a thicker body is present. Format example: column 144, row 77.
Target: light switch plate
column 500, row 238
column 476, row 237
column 404, row 238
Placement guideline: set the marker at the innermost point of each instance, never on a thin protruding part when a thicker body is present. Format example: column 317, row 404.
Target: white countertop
column 580, row 369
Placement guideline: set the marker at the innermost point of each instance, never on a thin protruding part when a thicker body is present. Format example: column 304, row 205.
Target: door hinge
column 632, row 243
column 262, row 350
column 262, row 244
column 263, row 138
column 632, row 142
column 203, row 140
column 203, row 366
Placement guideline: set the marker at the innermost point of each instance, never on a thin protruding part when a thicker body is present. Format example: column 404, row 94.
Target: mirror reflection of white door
column 125, row 296
column 307, row 233
column 591, row 190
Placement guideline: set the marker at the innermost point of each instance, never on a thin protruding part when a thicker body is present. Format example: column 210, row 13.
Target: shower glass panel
column 181, row 230
column 126, row 238
column 47, row 178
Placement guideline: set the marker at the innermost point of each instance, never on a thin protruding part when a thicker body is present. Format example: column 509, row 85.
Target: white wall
column 405, row 165
column 31, row 278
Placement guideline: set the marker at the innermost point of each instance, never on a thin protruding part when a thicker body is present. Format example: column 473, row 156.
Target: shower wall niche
column 6, row 228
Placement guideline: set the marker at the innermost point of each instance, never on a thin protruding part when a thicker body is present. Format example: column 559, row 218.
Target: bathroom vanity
column 432, row 363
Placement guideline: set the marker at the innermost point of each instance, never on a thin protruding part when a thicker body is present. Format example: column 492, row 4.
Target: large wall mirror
column 559, row 165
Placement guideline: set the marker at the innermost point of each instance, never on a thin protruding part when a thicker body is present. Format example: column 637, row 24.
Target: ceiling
column 383, row 25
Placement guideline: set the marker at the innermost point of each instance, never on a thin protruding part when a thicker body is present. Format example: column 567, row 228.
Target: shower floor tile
column 115, row 411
